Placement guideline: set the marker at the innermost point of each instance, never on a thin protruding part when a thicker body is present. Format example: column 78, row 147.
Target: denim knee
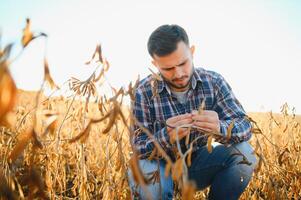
column 153, row 189
column 246, row 149
column 243, row 164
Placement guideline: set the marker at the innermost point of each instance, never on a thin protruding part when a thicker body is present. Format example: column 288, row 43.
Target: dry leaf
column 136, row 171
column 8, row 92
column 189, row 156
column 177, row 170
column 285, row 129
column 96, row 55
column 112, row 118
column 47, row 76
column 258, row 167
column 155, row 75
column 27, row 34
column 100, row 106
column 106, row 65
column 244, row 161
column 114, row 90
column 87, row 103
column 209, row 144
column 23, row 141
column 280, row 158
column 153, row 154
column 99, row 76
column 4, row 55
column 202, row 107
column 256, row 131
column 167, row 169
column 36, row 141
column 187, row 137
column 188, row 191
column 51, row 124
column 155, row 178
column 49, row 113
column 118, row 164
column 229, row 130
column 83, row 135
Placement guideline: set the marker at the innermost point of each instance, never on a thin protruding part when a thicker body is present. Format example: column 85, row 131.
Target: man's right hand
column 173, row 122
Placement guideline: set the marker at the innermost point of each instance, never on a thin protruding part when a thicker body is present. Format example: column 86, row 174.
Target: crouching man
column 172, row 102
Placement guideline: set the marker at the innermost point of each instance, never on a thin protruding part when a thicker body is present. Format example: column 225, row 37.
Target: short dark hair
column 165, row 38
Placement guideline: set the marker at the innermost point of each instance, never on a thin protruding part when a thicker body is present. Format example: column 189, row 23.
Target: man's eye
column 183, row 63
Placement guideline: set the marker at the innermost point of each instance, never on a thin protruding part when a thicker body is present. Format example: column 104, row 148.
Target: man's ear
column 192, row 49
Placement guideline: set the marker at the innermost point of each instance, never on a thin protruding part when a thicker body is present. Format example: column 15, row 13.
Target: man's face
column 177, row 67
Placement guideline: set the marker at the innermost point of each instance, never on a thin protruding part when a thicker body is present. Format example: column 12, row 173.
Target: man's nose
column 179, row 72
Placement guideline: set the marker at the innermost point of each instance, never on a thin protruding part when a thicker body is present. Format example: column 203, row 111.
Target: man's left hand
column 208, row 120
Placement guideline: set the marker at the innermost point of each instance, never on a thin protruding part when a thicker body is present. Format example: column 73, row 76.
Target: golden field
column 94, row 167
column 78, row 147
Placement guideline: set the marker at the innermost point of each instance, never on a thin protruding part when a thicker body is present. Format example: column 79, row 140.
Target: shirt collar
column 194, row 80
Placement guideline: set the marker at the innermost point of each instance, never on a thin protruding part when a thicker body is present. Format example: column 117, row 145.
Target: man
column 172, row 102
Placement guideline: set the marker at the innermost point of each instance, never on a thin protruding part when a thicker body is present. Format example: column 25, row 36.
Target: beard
column 173, row 83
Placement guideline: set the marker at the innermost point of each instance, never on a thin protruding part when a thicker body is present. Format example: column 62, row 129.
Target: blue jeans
column 219, row 170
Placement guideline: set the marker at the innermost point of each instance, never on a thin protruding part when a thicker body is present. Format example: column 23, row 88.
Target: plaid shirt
column 152, row 110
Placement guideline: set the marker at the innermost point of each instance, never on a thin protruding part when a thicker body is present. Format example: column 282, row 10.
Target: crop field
column 78, row 146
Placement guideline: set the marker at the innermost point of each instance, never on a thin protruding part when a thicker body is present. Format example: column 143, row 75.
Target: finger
column 179, row 130
column 194, row 112
column 181, row 117
column 183, row 122
column 206, row 113
column 173, row 120
column 203, row 118
column 204, row 125
column 209, row 112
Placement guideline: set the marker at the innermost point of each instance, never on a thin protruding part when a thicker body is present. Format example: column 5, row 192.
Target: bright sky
column 255, row 45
